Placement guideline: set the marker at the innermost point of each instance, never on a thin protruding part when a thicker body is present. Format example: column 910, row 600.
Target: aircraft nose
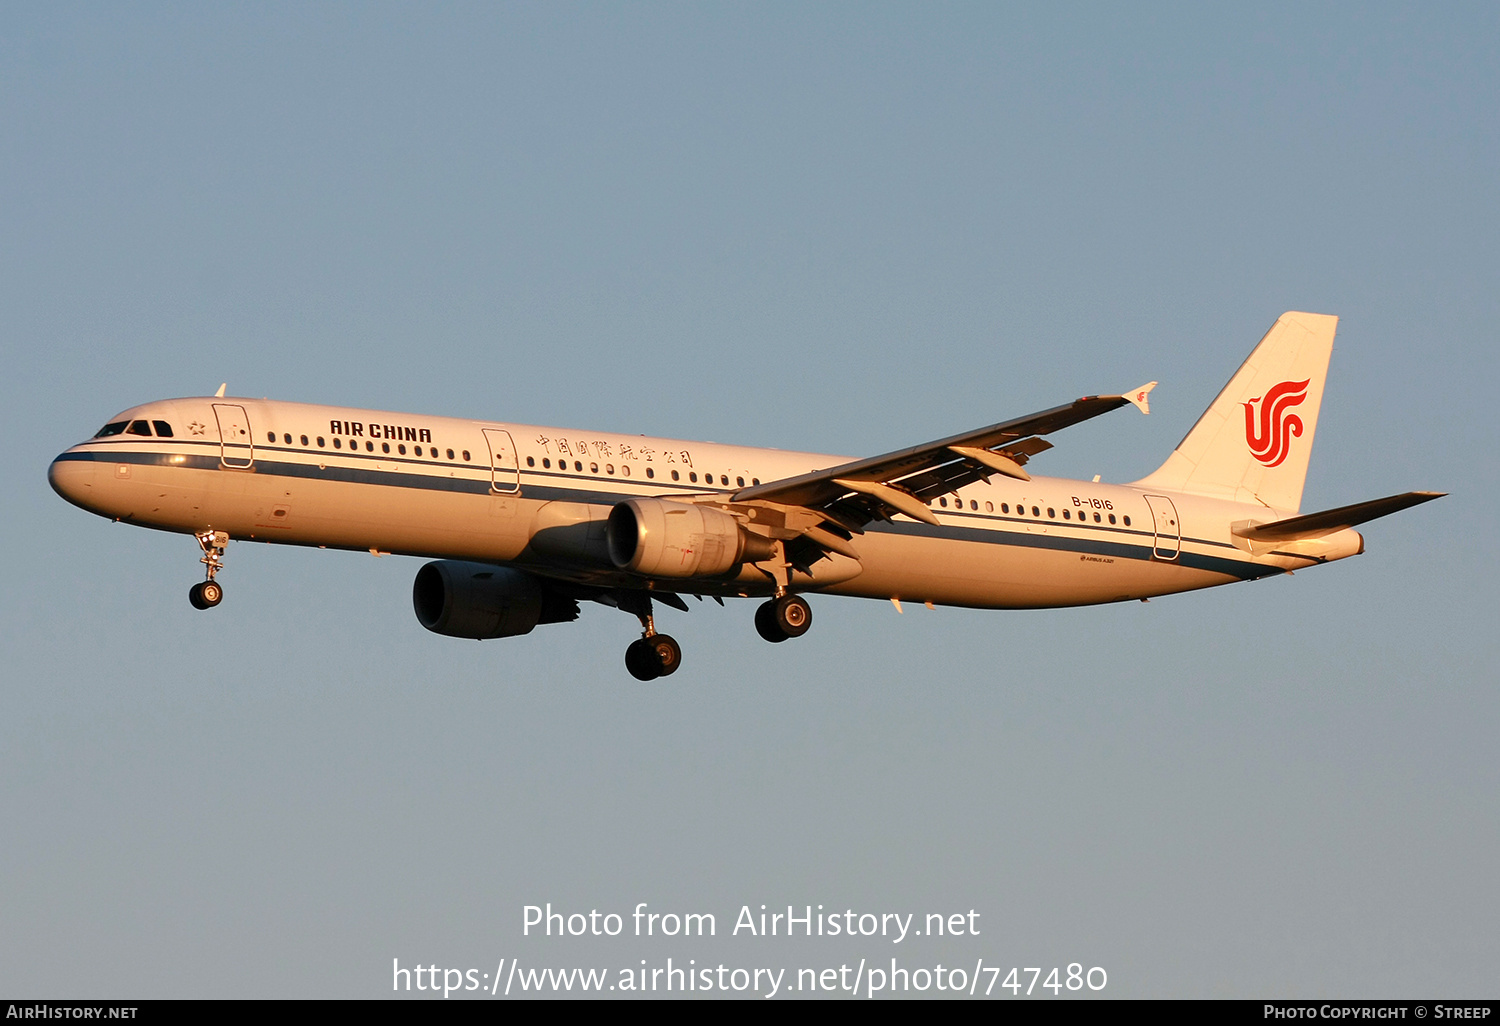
column 73, row 479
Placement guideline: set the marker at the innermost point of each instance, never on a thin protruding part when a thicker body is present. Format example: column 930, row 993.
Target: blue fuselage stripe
column 543, row 486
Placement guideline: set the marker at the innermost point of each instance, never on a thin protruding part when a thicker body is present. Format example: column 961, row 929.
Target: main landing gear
column 651, row 655
column 780, row 618
column 786, row 615
column 654, row 656
column 209, row 593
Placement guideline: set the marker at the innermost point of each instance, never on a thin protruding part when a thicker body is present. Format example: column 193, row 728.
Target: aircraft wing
column 853, row 494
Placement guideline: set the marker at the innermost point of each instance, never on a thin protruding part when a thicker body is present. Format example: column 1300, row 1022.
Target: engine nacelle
column 660, row 538
column 477, row 600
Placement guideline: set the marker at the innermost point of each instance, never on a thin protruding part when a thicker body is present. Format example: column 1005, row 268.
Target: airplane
column 524, row 522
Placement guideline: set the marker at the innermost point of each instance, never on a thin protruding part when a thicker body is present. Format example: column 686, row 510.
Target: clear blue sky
column 836, row 227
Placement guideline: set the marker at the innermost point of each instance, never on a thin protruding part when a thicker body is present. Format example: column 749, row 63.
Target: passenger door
column 1168, row 530
column 505, row 465
column 236, row 445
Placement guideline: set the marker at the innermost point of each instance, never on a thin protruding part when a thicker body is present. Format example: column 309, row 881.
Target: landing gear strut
column 651, row 655
column 788, row 616
column 209, row 593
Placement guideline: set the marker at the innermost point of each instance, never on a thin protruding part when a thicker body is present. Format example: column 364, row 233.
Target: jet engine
column 660, row 538
column 476, row 600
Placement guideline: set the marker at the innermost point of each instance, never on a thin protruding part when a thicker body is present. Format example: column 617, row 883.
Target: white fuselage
column 536, row 498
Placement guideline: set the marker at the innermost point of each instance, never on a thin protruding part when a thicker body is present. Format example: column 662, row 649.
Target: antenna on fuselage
column 220, row 393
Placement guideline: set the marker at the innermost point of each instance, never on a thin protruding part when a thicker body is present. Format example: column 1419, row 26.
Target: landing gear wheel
column 205, row 595
column 765, row 622
column 792, row 614
column 667, row 652
column 642, row 661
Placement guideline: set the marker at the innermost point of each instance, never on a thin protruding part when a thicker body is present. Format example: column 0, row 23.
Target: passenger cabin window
column 320, row 441
column 116, row 428
column 650, row 472
column 304, row 439
column 139, row 427
column 288, row 439
column 163, row 429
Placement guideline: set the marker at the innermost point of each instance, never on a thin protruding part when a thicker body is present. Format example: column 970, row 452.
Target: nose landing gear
column 209, row 593
column 205, row 595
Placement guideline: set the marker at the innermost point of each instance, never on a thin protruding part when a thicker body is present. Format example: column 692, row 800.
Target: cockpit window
column 139, row 427
column 163, row 429
column 111, row 429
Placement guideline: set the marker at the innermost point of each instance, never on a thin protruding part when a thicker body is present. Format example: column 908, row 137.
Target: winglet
column 1137, row 397
column 220, row 393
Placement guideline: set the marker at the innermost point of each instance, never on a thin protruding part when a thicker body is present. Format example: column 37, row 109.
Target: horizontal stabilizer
column 1315, row 525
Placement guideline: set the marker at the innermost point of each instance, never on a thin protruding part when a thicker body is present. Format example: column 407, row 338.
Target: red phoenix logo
column 1270, row 434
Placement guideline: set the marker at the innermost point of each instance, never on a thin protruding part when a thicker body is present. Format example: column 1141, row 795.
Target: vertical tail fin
column 1252, row 444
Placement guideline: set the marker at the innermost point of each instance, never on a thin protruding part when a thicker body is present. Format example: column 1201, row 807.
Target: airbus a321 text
column 525, row 522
